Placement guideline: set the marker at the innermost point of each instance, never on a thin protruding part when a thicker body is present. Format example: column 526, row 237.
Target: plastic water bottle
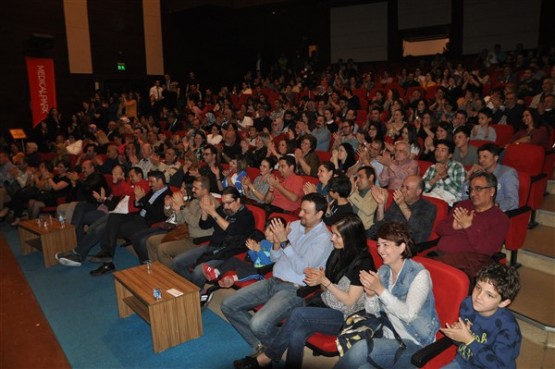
column 62, row 221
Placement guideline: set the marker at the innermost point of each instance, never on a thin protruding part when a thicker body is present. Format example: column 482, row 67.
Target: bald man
column 408, row 207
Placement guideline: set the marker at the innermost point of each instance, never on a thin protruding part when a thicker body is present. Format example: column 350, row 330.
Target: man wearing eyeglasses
column 475, row 229
column 507, row 178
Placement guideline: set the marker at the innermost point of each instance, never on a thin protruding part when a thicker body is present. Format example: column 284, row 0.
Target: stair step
column 536, row 298
column 541, row 240
column 548, row 203
column 537, row 349
column 545, row 217
column 551, row 186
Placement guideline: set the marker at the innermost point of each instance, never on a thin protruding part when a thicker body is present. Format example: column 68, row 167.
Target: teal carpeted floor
column 83, row 315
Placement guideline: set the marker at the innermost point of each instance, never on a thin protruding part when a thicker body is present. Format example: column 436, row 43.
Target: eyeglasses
column 476, row 189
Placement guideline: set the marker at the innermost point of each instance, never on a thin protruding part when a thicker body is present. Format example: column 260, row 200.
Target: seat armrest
column 423, row 246
column 514, row 212
column 537, row 177
column 422, row 356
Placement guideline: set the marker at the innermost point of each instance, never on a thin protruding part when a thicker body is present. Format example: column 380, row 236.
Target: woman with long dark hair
column 341, row 294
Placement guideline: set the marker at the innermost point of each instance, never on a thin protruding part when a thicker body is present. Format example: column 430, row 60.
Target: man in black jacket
column 133, row 226
column 232, row 223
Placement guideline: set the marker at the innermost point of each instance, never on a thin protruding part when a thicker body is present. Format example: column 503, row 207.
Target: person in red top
column 285, row 195
column 475, row 229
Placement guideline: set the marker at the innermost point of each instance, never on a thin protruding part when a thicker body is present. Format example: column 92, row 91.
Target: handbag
column 365, row 326
column 178, row 233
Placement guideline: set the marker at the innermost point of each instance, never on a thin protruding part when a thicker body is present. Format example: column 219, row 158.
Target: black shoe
column 101, row 257
column 205, row 299
column 249, row 363
column 103, row 269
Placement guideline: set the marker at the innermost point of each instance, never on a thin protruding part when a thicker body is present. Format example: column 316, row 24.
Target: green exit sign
column 121, row 67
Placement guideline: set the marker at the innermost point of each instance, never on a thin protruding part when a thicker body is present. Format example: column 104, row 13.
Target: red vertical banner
column 42, row 87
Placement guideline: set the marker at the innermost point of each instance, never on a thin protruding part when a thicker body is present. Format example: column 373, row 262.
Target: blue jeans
column 301, row 324
column 182, row 264
column 85, row 213
column 279, row 300
column 383, row 354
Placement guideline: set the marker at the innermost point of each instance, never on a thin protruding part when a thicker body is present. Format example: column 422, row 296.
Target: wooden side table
column 49, row 240
column 173, row 320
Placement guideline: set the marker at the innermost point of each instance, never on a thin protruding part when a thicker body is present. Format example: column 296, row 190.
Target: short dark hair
column 320, row 202
column 491, row 147
column 290, row 160
column 462, row 129
column 450, row 145
column 158, row 175
column 138, row 170
column 398, row 233
column 271, row 160
column 233, row 192
column 341, row 185
column 491, row 180
column 486, row 111
column 505, row 279
column 369, row 170
column 210, row 147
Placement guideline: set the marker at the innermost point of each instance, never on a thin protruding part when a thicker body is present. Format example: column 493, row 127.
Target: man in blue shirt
column 305, row 243
column 507, row 178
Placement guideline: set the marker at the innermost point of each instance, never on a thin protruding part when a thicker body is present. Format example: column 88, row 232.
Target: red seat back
column 252, row 173
column 259, row 217
column 442, row 210
column 323, row 155
column 504, row 133
column 288, row 217
column 478, row 143
column 423, row 166
column 450, row 287
column 527, row 158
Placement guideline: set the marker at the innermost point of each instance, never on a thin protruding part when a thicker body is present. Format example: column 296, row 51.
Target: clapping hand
column 371, row 282
column 309, row 188
column 252, row 245
column 462, row 218
column 399, row 198
column 314, row 276
column 458, row 331
column 379, row 194
column 279, row 230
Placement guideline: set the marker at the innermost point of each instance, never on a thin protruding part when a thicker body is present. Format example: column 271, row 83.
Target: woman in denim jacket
column 402, row 289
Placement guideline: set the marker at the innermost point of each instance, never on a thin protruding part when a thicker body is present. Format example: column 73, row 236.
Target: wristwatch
column 284, row 244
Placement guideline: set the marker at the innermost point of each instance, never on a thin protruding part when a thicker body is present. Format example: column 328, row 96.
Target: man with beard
column 232, row 223
column 305, row 243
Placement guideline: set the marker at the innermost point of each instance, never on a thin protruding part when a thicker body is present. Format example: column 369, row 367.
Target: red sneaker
column 210, row 273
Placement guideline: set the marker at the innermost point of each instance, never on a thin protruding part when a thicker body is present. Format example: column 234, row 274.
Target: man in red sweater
column 475, row 229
